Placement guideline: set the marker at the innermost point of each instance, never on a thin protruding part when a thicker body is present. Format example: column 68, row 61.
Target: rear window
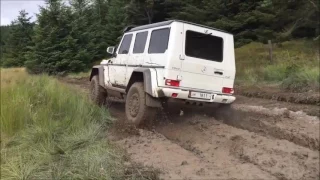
column 140, row 42
column 159, row 41
column 204, row 46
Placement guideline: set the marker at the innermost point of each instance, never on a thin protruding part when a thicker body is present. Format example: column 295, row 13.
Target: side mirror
column 110, row 50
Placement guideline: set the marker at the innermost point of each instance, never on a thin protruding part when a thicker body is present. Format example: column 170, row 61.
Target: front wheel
column 137, row 111
column 97, row 93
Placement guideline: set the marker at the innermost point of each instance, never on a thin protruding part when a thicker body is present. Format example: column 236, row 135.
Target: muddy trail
column 257, row 139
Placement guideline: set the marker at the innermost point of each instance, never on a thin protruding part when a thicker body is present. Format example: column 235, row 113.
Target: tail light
column 174, row 95
column 174, row 83
column 227, row 90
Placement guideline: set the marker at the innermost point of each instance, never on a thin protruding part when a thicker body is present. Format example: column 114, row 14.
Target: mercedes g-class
column 163, row 61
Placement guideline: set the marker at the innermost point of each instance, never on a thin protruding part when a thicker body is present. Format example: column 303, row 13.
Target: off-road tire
column 137, row 111
column 97, row 93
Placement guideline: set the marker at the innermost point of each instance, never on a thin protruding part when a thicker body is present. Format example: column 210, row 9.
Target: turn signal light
column 174, row 83
column 227, row 90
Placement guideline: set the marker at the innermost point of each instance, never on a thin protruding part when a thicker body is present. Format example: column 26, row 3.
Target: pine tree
column 117, row 21
column 98, row 29
column 5, row 31
column 18, row 41
column 55, row 49
column 188, row 10
column 80, row 31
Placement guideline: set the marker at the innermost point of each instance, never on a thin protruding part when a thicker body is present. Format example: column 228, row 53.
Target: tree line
column 70, row 37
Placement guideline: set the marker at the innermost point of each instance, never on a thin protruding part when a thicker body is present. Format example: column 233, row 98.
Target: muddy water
column 255, row 140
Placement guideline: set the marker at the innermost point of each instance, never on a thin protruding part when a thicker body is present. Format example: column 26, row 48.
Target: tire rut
column 296, row 127
column 220, row 144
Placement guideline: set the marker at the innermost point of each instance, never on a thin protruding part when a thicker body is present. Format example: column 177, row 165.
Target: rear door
column 203, row 64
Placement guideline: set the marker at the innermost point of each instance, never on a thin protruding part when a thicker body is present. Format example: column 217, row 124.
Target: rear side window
column 140, row 42
column 159, row 41
column 125, row 45
column 204, row 46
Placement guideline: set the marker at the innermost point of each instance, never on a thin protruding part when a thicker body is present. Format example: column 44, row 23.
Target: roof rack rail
column 164, row 23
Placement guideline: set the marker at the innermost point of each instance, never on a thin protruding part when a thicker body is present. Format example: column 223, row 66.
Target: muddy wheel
column 137, row 111
column 97, row 93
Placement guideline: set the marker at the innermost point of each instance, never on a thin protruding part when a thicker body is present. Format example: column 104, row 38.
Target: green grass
column 295, row 65
column 49, row 131
column 79, row 75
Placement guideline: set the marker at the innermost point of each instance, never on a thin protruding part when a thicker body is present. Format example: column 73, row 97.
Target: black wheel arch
column 98, row 70
column 141, row 75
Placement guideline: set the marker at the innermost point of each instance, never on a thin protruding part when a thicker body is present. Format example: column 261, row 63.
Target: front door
column 117, row 70
column 137, row 54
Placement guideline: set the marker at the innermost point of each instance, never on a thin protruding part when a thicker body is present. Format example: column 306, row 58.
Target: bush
column 273, row 73
column 304, row 79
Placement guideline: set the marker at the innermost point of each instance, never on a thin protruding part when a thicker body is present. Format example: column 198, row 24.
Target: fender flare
column 98, row 70
column 146, row 79
column 150, row 100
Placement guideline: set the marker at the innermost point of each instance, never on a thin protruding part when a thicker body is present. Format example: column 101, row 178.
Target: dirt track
column 259, row 139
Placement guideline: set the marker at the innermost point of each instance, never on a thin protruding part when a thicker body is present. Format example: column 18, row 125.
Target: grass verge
column 49, row 131
column 79, row 75
column 295, row 66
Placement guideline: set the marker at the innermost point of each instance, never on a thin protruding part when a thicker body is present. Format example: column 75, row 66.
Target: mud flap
column 152, row 102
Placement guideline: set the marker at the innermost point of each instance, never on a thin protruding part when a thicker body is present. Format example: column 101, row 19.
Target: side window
column 125, row 45
column 159, row 41
column 140, row 42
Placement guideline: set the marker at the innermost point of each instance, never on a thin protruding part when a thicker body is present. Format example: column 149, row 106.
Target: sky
column 10, row 9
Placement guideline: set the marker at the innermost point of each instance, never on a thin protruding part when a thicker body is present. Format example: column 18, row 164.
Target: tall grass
column 49, row 131
column 79, row 75
column 295, row 65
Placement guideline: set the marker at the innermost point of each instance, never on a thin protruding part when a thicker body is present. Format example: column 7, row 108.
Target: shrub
column 304, row 79
column 273, row 73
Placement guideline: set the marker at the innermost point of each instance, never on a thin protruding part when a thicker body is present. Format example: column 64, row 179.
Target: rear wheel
column 97, row 93
column 137, row 111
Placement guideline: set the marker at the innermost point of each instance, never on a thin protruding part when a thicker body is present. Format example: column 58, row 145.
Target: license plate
column 200, row 95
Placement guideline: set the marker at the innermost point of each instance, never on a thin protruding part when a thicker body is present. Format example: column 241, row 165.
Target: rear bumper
column 184, row 94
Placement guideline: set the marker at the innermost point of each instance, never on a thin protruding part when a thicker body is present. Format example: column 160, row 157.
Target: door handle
column 218, row 72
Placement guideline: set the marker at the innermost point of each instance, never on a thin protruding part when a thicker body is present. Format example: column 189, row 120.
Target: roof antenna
column 128, row 28
column 207, row 32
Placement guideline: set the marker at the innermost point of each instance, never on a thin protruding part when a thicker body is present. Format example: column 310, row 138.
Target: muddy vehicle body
column 171, row 60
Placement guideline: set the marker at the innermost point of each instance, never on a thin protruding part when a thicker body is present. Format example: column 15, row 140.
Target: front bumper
column 184, row 94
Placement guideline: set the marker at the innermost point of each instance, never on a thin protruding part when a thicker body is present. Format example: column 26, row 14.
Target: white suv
column 168, row 60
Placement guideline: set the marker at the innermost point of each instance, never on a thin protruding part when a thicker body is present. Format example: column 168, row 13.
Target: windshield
column 204, row 46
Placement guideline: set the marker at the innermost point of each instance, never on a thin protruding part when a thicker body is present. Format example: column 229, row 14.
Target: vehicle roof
column 164, row 23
